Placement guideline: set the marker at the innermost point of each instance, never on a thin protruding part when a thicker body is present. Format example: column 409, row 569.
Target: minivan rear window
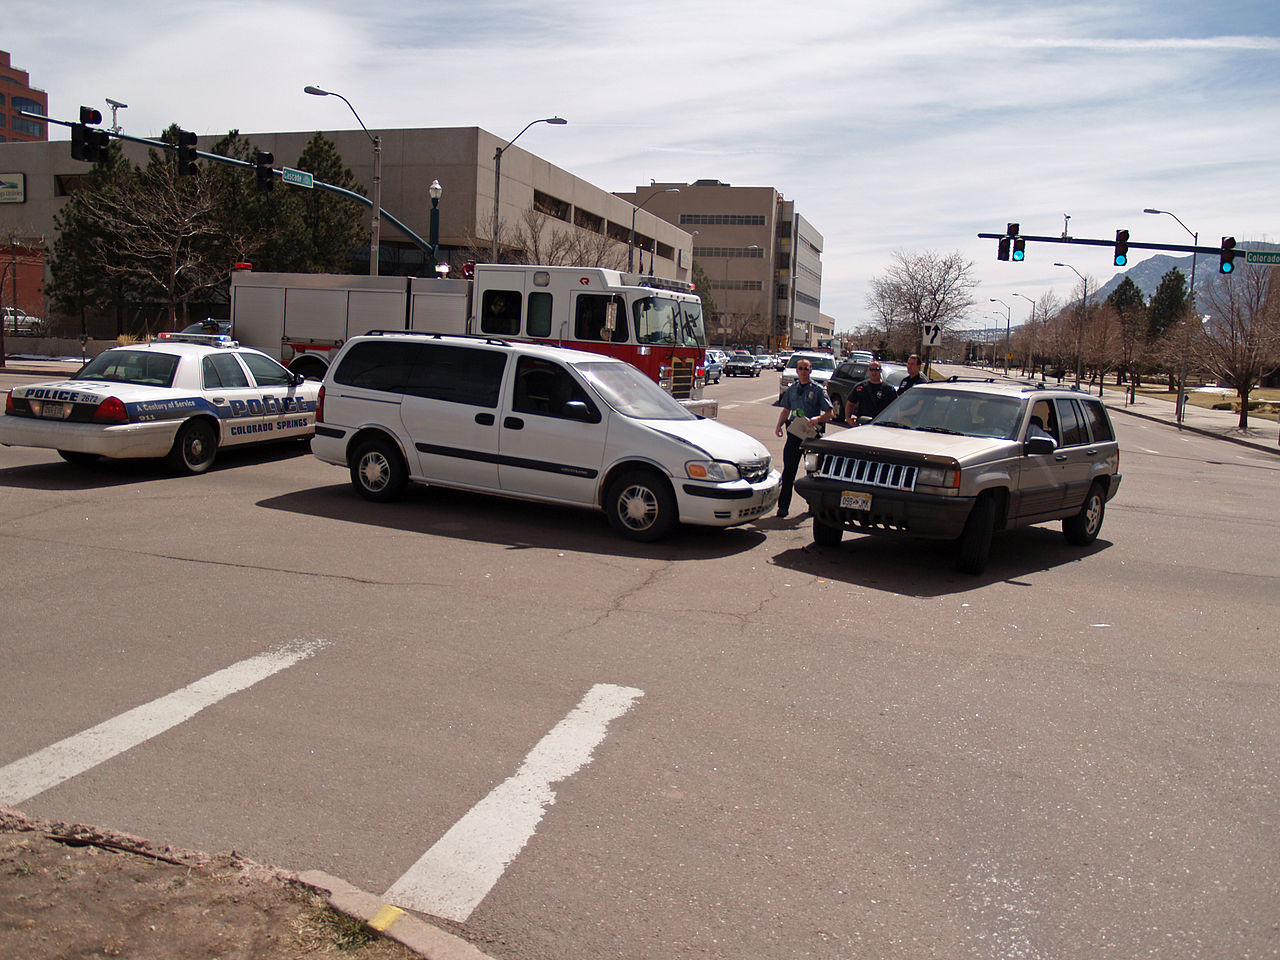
column 436, row 371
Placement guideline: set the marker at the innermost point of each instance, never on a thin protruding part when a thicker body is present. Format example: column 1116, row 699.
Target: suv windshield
column 631, row 393
column 667, row 320
column 954, row 411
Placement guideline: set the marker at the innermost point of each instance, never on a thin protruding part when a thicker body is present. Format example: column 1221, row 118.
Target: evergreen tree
column 1168, row 306
column 330, row 227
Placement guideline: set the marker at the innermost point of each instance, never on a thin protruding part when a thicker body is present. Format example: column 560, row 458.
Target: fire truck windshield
column 670, row 321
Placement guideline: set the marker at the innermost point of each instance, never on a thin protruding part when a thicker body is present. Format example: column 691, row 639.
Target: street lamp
column 1008, row 322
column 434, row 237
column 1031, row 333
column 375, row 220
column 497, row 177
column 1084, row 303
column 1182, row 372
column 631, row 245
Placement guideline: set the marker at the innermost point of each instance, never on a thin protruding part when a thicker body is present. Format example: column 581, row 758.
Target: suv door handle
column 484, row 419
column 513, row 423
column 1060, row 457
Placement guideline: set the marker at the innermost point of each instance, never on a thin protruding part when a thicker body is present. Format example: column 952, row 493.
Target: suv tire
column 1082, row 529
column 825, row 535
column 377, row 471
column 975, row 541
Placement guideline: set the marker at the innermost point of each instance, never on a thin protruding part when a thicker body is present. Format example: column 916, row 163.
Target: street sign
column 299, row 178
column 1262, row 256
column 932, row 334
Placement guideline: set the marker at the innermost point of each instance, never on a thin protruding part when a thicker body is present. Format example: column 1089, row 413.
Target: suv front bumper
column 891, row 511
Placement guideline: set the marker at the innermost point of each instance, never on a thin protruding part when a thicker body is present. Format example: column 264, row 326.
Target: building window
column 552, row 207
column 805, row 298
column 30, row 127
column 736, row 285
column 724, row 219
column 22, row 103
column 756, row 253
column 588, row 221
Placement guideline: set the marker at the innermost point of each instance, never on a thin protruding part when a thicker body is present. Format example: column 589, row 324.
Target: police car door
column 553, row 435
column 284, row 412
column 236, row 400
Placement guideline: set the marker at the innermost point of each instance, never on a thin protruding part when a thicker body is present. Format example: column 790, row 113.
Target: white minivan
column 536, row 422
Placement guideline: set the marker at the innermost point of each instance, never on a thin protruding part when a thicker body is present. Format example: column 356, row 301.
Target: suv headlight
column 944, row 476
column 713, row 470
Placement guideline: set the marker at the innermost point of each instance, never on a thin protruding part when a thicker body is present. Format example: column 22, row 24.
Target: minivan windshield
column 631, row 393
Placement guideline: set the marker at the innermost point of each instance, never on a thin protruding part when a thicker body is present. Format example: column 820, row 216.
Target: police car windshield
column 631, row 393
column 146, row 368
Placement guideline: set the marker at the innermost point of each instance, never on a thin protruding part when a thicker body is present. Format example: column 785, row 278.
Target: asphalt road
column 732, row 744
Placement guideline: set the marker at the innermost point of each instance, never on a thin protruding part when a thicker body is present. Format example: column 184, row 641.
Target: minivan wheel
column 975, row 541
column 1082, row 529
column 377, row 471
column 641, row 506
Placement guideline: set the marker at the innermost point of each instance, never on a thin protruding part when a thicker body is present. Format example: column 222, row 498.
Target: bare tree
column 920, row 288
column 1239, row 341
column 537, row 238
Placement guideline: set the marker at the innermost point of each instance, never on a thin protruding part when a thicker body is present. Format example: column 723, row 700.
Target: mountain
column 1148, row 274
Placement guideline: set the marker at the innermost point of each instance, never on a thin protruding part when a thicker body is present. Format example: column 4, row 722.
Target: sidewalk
column 1224, row 424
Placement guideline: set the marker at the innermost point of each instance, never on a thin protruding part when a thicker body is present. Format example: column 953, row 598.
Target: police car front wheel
column 194, row 448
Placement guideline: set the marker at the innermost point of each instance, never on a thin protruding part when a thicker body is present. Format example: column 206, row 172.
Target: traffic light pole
column 1133, row 245
column 232, row 161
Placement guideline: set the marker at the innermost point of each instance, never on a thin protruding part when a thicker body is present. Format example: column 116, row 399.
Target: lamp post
column 1008, row 323
column 497, row 176
column 375, row 220
column 434, row 236
column 1084, row 303
column 1031, row 334
column 631, row 245
column 1182, row 372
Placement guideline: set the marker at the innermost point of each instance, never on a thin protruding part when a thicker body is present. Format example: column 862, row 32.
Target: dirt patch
column 69, row 891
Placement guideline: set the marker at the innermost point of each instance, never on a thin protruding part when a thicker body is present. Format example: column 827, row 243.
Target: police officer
column 803, row 401
column 869, row 397
column 913, row 376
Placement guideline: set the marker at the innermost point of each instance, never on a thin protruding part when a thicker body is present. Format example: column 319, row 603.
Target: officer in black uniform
column 913, row 377
column 869, row 397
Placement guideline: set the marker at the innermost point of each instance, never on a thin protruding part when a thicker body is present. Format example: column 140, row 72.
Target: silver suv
column 958, row 460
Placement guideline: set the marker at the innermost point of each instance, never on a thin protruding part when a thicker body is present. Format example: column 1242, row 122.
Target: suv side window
column 1071, row 422
column 500, row 312
column 456, row 374
column 543, row 388
column 377, row 365
column 1099, row 425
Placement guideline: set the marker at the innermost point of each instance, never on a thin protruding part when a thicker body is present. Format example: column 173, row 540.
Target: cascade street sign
column 1262, row 256
column 299, row 178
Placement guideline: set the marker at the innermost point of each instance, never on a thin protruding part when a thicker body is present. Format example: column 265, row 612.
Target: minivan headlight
column 713, row 470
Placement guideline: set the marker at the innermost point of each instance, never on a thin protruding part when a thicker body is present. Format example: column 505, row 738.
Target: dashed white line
column 451, row 878
column 59, row 762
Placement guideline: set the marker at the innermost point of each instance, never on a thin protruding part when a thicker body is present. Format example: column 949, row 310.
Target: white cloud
column 915, row 125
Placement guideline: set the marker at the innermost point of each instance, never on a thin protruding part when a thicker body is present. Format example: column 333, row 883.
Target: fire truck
column 653, row 323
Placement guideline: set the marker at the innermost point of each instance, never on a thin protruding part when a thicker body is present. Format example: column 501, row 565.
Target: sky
column 910, row 126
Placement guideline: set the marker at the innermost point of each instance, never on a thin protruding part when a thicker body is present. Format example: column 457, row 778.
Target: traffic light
column 1019, row 249
column 1228, row 255
column 1002, row 252
column 186, row 153
column 1122, row 247
column 90, row 116
column 1011, row 238
column 266, row 176
column 78, row 134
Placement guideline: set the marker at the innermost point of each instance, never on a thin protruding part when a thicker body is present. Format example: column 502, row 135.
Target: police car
column 180, row 397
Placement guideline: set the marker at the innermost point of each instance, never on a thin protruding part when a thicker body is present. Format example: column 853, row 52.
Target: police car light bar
column 208, row 339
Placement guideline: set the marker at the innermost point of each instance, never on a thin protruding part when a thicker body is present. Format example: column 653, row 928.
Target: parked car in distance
column 822, row 363
column 209, row 325
column 959, row 460
column 742, row 365
column 534, row 422
column 19, row 323
column 713, row 367
column 181, row 397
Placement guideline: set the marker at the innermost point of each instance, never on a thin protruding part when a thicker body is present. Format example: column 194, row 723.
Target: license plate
column 851, row 500
column 53, row 411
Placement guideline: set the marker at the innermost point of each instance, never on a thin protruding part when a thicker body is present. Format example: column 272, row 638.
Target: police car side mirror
column 297, row 379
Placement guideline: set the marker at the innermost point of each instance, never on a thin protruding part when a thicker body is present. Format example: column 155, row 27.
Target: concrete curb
column 390, row 921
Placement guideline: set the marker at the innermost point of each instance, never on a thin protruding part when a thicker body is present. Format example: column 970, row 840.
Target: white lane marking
column 38, row 772
column 451, row 878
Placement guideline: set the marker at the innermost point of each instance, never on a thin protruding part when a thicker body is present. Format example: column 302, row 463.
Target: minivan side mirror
column 579, row 410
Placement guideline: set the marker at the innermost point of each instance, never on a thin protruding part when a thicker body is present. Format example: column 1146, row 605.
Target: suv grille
column 895, row 476
column 753, row 471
